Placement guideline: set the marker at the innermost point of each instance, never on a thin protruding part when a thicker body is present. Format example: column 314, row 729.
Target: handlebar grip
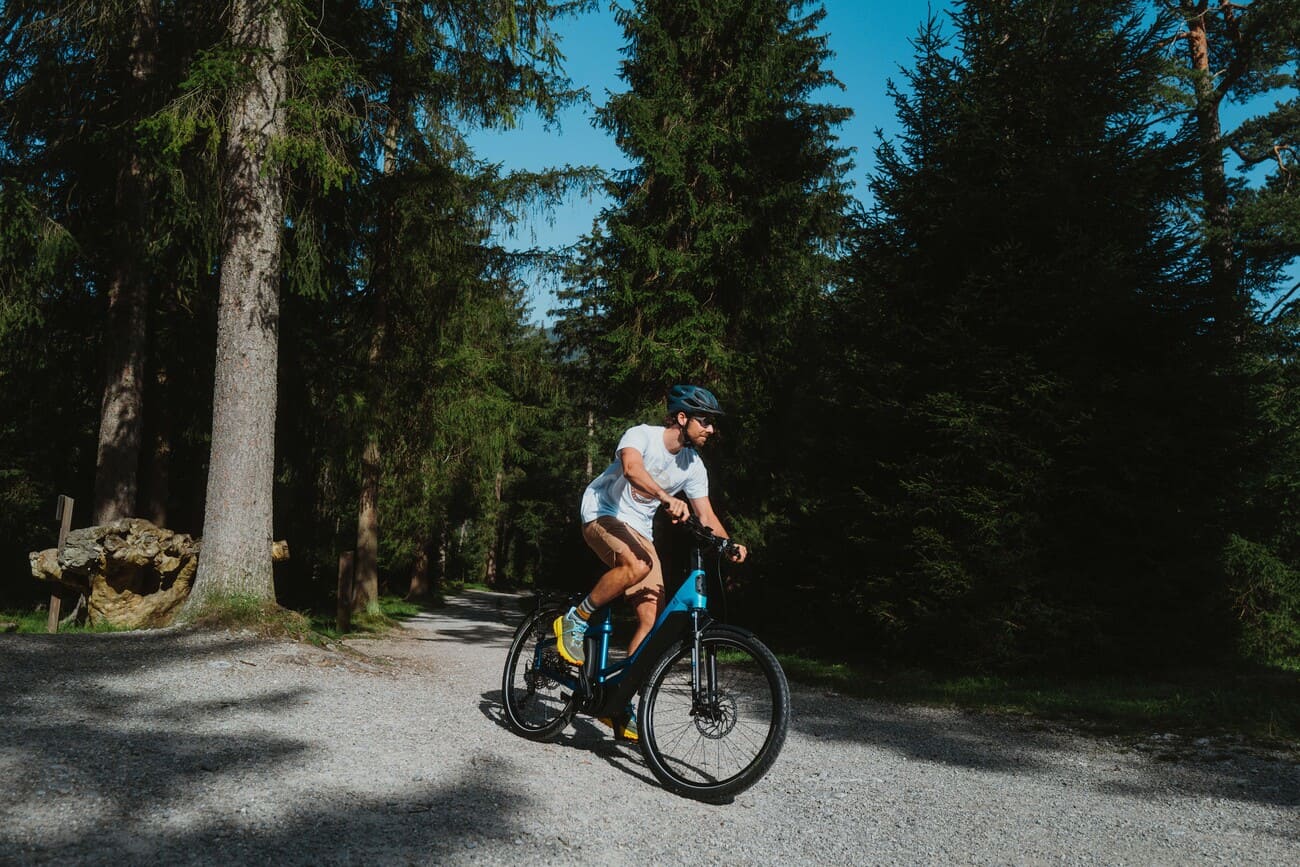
column 707, row 536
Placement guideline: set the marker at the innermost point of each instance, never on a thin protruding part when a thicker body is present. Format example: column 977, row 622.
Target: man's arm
column 636, row 473
column 704, row 511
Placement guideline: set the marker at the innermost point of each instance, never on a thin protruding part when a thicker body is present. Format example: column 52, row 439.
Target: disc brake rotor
column 716, row 719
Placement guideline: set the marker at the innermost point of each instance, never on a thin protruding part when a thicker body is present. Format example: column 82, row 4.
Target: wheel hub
column 536, row 676
column 716, row 719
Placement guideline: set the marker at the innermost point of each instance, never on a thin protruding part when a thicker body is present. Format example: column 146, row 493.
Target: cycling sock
column 585, row 609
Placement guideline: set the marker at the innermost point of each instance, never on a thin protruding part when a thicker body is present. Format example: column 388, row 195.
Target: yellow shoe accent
column 627, row 731
column 558, row 628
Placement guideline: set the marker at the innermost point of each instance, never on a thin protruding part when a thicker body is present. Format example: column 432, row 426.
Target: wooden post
column 346, row 574
column 62, row 514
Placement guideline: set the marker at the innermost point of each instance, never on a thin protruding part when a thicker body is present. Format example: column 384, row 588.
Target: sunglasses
column 705, row 420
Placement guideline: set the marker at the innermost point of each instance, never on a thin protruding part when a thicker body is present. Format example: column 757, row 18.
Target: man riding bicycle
column 652, row 464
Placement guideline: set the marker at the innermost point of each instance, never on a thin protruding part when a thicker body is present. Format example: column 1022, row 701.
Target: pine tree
column 1028, row 411
column 101, row 63
column 1234, row 51
column 433, row 67
column 720, row 235
column 237, row 523
column 1258, row 53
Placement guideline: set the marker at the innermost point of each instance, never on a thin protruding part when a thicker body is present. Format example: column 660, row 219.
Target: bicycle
column 715, row 704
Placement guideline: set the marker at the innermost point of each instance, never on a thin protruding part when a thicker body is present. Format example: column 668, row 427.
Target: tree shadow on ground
column 915, row 733
column 980, row 742
column 97, row 774
column 485, row 634
column 997, row 743
column 583, row 734
column 476, row 617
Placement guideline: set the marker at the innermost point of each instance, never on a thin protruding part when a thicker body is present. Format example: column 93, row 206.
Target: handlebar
column 706, row 537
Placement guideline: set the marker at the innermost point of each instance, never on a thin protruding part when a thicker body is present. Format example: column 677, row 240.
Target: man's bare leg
column 569, row 628
column 648, row 605
column 616, row 581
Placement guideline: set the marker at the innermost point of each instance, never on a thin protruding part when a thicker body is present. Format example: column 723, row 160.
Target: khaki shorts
column 609, row 537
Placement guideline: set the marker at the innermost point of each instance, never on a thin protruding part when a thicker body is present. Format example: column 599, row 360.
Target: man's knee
column 637, row 568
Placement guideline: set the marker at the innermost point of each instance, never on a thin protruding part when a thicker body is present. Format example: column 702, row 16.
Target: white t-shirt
column 610, row 493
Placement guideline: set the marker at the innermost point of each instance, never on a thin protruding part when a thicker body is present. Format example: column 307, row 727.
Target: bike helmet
column 692, row 400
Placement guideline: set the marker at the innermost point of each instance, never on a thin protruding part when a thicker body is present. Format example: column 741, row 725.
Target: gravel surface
column 181, row 748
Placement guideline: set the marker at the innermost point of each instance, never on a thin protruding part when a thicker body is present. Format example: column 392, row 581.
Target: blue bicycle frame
column 604, row 688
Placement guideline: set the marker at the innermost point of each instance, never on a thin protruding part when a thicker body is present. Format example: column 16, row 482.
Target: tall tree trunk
column 493, row 558
column 155, row 482
column 236, row 557
column 367, row 564
column 420, row 586
column 591, row 441
column 444, row 545
column 1209, row 93
column 366, row 586
column 121, row 410
column 367, row 574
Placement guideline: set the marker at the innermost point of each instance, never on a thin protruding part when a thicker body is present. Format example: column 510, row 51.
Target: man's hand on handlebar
column 734, row 551
column 677, row 509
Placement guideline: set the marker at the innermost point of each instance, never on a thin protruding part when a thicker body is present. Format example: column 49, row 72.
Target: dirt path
column 175, row 747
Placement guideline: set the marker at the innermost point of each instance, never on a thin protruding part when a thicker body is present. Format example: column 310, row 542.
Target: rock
column 133, row 574
column 45, row 565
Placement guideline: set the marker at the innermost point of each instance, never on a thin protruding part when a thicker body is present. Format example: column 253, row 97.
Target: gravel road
column 175, row 747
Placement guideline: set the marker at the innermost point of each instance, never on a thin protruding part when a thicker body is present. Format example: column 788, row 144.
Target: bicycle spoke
column 723, row 736
column 535, row 681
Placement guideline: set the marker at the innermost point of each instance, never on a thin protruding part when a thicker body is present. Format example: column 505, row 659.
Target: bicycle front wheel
column 536, row 686
column 713, row 733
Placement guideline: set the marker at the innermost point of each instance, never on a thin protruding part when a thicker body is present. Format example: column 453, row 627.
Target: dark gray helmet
column 692, row 400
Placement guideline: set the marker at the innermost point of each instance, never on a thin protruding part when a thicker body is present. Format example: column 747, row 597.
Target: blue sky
column 869, row 39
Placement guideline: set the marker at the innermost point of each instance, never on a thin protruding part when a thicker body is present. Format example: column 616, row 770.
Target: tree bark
column 155, row 471
column 1228, row 308
column 366, row 589
column 237, row 535
column 494, row 553
column 121, row 411
column 367, row 566
column 591, row 441
column 420, row 586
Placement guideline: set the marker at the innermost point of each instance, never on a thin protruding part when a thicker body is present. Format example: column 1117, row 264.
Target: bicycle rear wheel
column 535, row 686
column 720, row 743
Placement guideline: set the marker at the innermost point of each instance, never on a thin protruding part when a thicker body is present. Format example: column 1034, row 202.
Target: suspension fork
column 704, row 681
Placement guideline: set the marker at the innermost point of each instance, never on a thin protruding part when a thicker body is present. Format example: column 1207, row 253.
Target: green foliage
column 716, row 259
column 1016, row 473
column 993, row 424
column 721, row 233
column 36, row 621
column 417, row 335
column 1266, row 596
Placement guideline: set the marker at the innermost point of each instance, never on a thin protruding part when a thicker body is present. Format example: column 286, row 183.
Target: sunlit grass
column 380, row 620
column 261, row 616
column 33, row 621
column 240, row 611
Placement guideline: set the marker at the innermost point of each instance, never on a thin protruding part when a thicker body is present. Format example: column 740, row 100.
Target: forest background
column 1033, row 408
